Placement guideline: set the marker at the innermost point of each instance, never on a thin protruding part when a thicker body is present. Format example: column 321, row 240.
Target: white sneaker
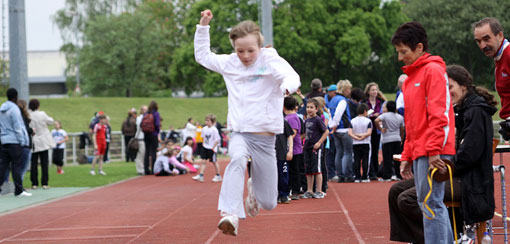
column 24, row 194
column 394, row 178
column 102, row 172
column 229, row 224
column 92, row 172
column 357, row 181
column 251, row 205
column 366, row 181
column 198, row 178
column 216, row 178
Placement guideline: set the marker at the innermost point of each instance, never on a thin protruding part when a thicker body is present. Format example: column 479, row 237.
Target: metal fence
column 116, row 152
column 73, row 152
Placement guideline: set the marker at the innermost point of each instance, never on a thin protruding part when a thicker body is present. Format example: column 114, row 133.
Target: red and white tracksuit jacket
column 429, row 116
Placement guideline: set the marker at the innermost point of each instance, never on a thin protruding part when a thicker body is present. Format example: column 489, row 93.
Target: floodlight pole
column 266, row 20
column 18, row 49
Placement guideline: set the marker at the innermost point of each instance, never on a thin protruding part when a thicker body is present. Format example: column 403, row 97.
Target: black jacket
column 473, row 161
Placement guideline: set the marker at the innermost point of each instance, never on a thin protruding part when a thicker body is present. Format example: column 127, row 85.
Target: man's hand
column 405, row 170
column 206, row 17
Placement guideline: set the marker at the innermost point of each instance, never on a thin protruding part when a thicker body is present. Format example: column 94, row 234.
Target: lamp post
column 77, row 89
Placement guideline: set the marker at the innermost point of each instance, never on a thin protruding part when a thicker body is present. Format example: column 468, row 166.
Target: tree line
column 145, row 47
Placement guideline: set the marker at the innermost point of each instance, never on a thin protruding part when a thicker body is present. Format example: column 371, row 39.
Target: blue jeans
column 330, row 158
column 25, row 159
column 343, row 156
column 437, row 230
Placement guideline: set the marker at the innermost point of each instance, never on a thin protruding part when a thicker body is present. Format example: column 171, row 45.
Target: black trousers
column 375, row 139
column 10, row 160
column 105, row 156
column 361, row 152
column 388, row 149
column 295, row 174
column 151, row 146
column 283, row 178
column 58, row 156
column 43, row 156
column 130, row 156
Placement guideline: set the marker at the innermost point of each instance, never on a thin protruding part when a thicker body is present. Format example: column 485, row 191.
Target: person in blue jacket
column 13, row 136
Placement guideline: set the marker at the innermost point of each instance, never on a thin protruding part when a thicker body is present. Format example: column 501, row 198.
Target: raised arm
column 202, row 45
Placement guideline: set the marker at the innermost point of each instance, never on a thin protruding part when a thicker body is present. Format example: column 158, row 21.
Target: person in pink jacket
column 430, row 125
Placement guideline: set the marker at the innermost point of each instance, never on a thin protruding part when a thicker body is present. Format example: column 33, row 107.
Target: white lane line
column 353, row 227
column 92, row 228
column 302, row 213
column 71, row 238
column 212, row 237
column 82, row 210
column 171, row 213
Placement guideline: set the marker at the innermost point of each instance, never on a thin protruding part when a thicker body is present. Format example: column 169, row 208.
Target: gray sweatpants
column 264, row 174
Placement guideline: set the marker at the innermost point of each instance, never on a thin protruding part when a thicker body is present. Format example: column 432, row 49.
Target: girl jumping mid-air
column 257, row 79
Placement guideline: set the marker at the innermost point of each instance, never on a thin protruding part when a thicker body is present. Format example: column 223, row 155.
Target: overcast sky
column 42, row 34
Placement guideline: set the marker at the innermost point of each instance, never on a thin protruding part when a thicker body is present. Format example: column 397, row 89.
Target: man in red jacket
column 488, row 34
column 430, row 125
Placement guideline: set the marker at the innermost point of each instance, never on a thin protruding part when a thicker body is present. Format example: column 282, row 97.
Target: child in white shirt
column 360, row 131
column 256, row 79
column 210, row 148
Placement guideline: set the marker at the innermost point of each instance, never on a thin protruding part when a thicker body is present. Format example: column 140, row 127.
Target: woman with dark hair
column 474, row 107
column 375, row 100
column 22, row 104
column 151, row 138
column 43, row 141
column 473, row 180
column 129, row 131
column 430, row 124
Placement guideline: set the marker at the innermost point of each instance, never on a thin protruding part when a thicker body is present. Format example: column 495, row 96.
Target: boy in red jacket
column 430, row 125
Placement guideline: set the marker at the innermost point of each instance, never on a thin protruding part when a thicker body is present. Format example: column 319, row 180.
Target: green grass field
column 76, row 112
column 78, row 175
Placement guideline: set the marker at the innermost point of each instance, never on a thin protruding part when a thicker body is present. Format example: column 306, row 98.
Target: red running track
column 177, row 209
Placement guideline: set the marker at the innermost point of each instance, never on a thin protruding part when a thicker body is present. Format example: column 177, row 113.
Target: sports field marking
column 212, row 237
column 72, row 238
column 349, row 220
column 94, row 228
column 172, row 213
column 77, row 212
column 302, row 213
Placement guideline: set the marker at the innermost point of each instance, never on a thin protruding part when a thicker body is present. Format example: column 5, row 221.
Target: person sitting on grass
column 99, row 138
column 187, row 155
column 162, row 166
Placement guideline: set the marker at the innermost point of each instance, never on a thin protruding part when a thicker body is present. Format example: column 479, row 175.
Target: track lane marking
column 85, row 209
column 172, row 213
column 349, row 220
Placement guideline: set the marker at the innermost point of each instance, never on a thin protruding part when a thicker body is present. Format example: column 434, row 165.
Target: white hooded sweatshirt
column 256, row 92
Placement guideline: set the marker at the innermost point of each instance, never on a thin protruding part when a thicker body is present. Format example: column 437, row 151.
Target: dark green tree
column 448, row 25
column 122, row 55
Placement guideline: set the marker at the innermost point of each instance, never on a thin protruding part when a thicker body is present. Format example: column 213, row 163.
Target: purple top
column 377, row 109
column 295, row 123
column 314, row 127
